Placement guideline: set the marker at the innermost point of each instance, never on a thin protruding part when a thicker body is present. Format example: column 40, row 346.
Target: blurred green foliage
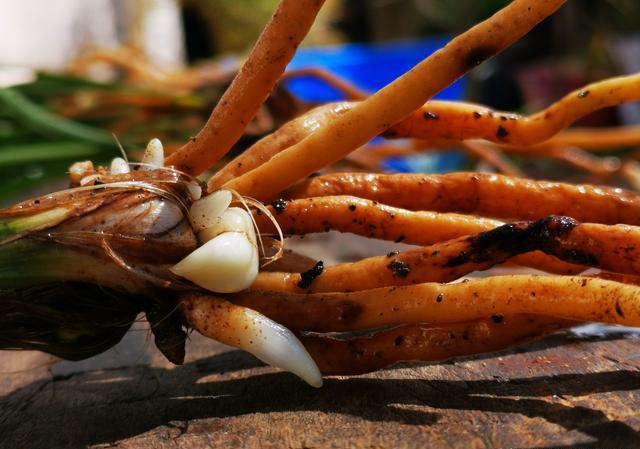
column 38, row 144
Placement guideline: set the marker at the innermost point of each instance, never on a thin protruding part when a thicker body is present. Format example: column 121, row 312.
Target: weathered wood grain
column 563, row 391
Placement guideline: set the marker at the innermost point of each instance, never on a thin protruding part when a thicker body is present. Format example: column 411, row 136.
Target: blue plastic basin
column 371, row 67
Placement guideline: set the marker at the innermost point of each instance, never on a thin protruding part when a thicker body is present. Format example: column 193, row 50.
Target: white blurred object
column 162, row 34
column 45, row 35
column 13, row 76
column 48, row 34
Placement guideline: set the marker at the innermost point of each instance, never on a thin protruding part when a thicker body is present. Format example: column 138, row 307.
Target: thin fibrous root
column 346, row 88
column 391, row 104
column 577, row 157
column 422, row 342
column 491, row 155
column 290, row 261
column 480, row 193
column 568, row 297
column 630, row 171
column 592, row 139
column 253, row 83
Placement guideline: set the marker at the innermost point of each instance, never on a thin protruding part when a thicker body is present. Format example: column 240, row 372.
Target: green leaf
column 28, row 262
column 42, row 121
column 49, row 84
column 22, row 181
column 20, row 154
column 10, row 227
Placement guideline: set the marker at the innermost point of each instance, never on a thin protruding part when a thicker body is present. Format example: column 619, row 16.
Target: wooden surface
column 564, row 391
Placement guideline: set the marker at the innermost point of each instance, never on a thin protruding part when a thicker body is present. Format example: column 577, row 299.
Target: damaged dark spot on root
column 307, row 278
column 428, row 115
column 398, row 340
column 517, row 238
column 399, row 268
column 584, row 94
column 349, row 311
column 497, row 318
column 579, row 257
column 502, row 132
column 476, row 56
column 279, row 205
column 619, row 310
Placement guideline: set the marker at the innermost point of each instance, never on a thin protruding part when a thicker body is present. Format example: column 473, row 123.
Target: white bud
column 153, row 155
column 225, row 264
column 119, row 167
column 277, row 346
column 79, row 170
column 207, row 211
column 234, row 219
column 89, row 179
column 255, row 333
column 194, row 190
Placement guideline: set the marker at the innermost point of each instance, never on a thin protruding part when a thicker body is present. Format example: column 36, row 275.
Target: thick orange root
column 573, row 298
column 394, row 102
column 253, row 83
column 485, row 194
column 426, row 342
